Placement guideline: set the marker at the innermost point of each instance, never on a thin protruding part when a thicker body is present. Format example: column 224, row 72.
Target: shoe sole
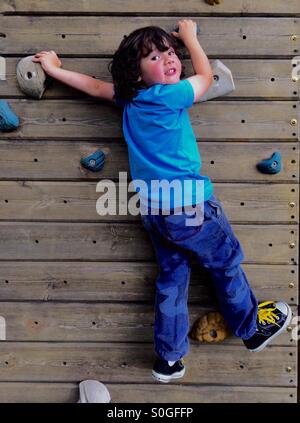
column 165, row 379
column 286, row 323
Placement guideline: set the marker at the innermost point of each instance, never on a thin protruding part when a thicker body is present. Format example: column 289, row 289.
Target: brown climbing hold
column 210, row 328
column 213, row 2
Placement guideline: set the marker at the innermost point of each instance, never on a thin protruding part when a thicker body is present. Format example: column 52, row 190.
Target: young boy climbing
column 147, row 71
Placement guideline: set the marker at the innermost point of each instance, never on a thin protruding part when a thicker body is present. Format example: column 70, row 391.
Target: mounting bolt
column 295, row 79
column 292, row 204
column 292, row 245
column 288, row 369
column 291, row 285
column 289, row 329
column 294, row 37
column 293, row 122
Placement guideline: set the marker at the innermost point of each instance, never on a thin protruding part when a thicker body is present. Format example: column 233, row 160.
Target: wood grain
column 145, row 7
column 132, row 362
column 221, row 161
column 129, row 281
column 96, row 35
column 253, row 78
column 76, row 201
column 18, row 392
column 265, row 244
column 96, row 322
column 213, row 120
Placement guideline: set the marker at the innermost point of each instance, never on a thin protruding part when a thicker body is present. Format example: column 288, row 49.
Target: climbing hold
column 222, row 84
column 213, row 2
column 92, row 391
column 32, row 78
column 93, row 162
column 271, row 165
column 211, row 327
column 8, row 120
column 177, row 29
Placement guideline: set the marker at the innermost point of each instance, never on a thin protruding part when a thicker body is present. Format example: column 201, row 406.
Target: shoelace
column 266, row 315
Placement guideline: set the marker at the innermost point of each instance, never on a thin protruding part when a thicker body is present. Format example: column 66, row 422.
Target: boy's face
column 158, row 67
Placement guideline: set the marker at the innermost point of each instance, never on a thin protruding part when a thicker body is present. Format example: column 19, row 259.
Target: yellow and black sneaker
column 164, row 371
column 272, row 319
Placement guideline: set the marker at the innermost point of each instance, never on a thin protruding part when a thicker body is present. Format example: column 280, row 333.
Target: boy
column 146, row 71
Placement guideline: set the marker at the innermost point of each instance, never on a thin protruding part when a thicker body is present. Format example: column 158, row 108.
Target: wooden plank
column 221, row 161
column 19, row 392
column 113, row 281
column 258, row 78
column 96, row 35
column 145, row 7
column 212, row 120
column 265, row 244
column 213, row 364
column 67, row 201
column 95, row 322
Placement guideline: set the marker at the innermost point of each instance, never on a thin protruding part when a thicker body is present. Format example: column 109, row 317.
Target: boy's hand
column 48, row 60
column 187, row 31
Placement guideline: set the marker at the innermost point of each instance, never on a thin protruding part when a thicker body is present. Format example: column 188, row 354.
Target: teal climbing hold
column 271, row 165
column 8, row 119
column 94, row 162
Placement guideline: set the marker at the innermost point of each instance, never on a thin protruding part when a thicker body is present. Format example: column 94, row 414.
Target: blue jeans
column 215, row 248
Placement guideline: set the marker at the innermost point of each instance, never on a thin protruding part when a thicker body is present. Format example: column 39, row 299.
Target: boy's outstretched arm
column 203, row 77
column 94, row 87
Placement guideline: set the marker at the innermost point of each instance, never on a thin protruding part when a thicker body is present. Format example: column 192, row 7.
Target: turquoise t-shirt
column 162, row 146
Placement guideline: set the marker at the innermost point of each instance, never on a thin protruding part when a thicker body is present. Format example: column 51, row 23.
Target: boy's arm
column 91, row 86
column 204, row 76
column 87, row 84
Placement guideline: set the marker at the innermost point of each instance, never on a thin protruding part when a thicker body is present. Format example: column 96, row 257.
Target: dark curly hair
column 125, row 65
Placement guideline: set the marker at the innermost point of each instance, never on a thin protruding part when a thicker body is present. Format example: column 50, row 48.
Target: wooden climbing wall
column 77, row 289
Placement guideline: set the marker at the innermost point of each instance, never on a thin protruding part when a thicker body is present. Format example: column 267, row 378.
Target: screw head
column 295, row 79
column 292, row 245
column 288, row 369
column 291, row 285
column 292, row 204
column 294, row 37
column 293, row 122
column 289, row 329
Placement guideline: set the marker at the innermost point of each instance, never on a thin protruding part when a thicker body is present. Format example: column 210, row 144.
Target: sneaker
column 164, row 371
column 272, row 319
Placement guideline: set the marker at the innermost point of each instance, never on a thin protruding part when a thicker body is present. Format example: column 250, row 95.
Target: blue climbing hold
column 94, row 162
column 8, row 119
column 271, row 165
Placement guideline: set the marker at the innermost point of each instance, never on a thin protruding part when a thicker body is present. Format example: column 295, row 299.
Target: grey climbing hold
column 222, row 84
column 92, row 391
column 31, row 77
